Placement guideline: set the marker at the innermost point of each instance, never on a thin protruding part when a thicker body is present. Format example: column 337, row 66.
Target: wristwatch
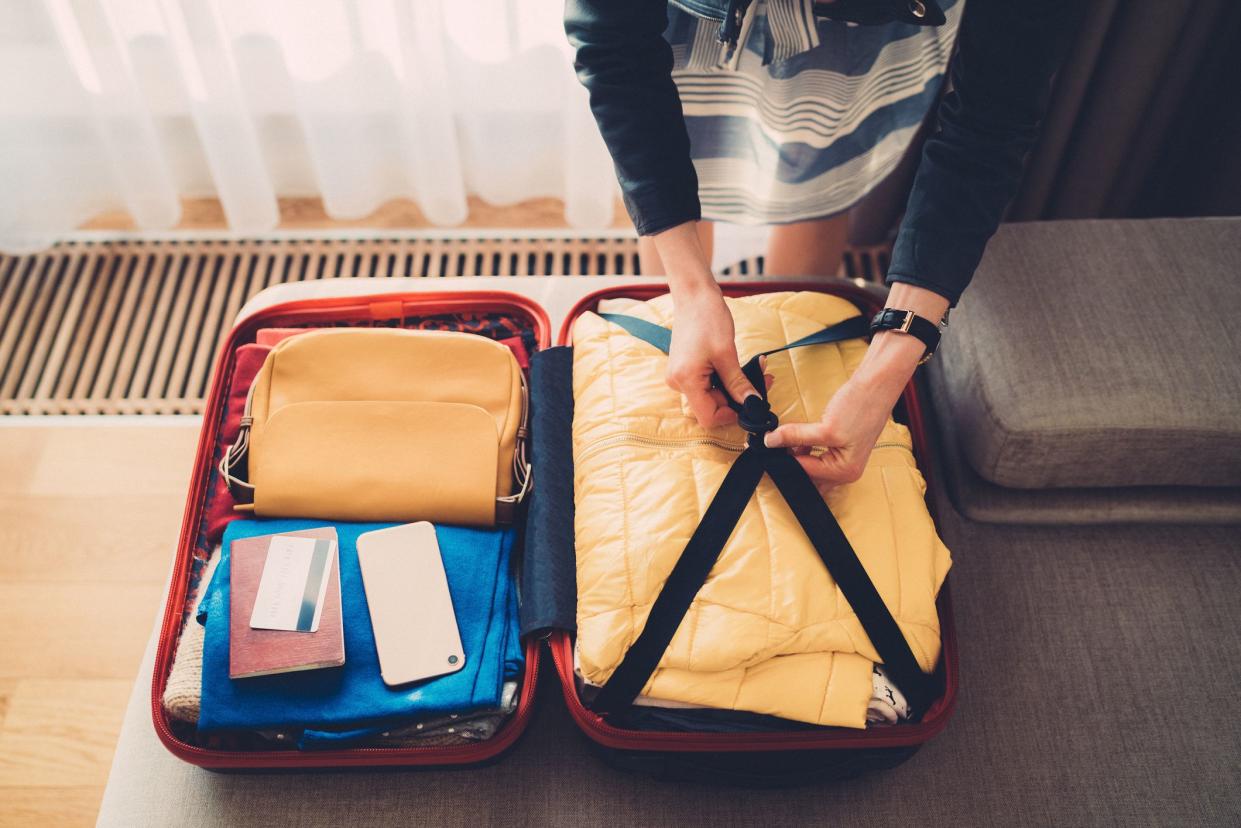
column 908, row 322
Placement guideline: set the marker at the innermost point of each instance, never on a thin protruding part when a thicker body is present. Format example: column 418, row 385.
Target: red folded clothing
column 518, row 348
column 247, row 360
column 274, row 336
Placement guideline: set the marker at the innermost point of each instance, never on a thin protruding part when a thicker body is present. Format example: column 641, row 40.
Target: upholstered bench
column 1099, row 663
column 1092, row 373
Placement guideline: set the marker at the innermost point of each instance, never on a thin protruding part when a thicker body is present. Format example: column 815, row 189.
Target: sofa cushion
column 983, row 501
column 1100, row 353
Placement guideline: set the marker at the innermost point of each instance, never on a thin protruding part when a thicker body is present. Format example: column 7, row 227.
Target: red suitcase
column 787, row 757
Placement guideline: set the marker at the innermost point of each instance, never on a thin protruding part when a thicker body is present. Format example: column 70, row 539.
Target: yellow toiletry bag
column 383, row 425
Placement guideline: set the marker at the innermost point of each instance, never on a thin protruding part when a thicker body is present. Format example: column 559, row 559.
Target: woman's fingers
column 835, row 465
column 799, row 434
column 733, row 378
column 701, row 402
column 827, row 468
column 709, row 405
column 724, row 414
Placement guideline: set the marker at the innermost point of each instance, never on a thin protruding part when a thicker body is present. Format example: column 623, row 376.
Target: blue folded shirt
column 477, row 564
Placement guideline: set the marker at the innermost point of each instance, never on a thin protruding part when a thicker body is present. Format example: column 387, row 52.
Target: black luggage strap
column 717, row 524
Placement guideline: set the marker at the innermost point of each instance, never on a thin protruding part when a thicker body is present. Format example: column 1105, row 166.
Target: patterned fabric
column 804, row 116
column 498, row 326
column 183, row 690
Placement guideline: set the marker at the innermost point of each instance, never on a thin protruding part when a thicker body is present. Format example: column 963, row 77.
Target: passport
column 285, row 604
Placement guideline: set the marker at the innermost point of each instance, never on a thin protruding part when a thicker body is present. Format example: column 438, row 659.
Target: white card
column 293, row 584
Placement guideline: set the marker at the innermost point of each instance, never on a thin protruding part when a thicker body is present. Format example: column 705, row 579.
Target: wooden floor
column 89, row 518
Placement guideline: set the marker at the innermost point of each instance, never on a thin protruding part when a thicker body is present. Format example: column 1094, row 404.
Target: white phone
column 411, row 610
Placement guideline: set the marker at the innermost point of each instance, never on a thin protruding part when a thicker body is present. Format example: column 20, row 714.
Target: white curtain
column 135, row 104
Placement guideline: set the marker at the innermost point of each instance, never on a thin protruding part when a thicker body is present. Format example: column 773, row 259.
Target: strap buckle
column 756, row 417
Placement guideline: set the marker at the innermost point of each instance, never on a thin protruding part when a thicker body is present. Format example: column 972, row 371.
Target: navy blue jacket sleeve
column 971, row 165
column 626, row 66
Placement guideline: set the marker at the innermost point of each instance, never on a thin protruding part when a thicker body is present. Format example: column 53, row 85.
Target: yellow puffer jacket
column 769, row 632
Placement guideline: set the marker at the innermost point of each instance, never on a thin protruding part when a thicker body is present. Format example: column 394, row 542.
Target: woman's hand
column 858, row 411
column 702, row 345
column 702, row 336
column 851, row 423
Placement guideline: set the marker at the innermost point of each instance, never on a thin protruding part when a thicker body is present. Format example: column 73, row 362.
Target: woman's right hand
column 702, row 345
column 702, row 331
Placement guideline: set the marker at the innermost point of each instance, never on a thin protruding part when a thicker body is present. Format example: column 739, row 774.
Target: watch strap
column 906, row 321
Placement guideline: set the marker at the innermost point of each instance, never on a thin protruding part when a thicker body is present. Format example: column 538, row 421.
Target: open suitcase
column 546, row 571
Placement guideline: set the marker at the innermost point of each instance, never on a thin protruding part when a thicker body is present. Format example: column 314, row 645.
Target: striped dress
column 804, row 116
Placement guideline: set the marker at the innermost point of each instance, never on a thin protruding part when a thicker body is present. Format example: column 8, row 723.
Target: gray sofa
column 1097, row 590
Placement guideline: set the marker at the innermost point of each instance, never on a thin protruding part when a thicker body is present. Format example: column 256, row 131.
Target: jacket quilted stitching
column 769, row 632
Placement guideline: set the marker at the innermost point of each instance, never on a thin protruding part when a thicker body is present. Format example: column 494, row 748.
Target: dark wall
column 1145, row 121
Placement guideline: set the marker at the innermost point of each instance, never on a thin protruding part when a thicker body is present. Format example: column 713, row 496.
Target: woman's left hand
column 857, row 412
column 851, row 423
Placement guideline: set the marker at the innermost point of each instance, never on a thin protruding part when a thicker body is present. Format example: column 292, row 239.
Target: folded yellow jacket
column 769, row 632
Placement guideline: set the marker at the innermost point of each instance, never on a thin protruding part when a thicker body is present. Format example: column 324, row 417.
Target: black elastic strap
column 687, row 577
column 718, row 523
column 846, row 569
column 704, row 548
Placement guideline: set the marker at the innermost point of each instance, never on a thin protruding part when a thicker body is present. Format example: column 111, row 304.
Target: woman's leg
column 807, row 248
column 649, row 256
